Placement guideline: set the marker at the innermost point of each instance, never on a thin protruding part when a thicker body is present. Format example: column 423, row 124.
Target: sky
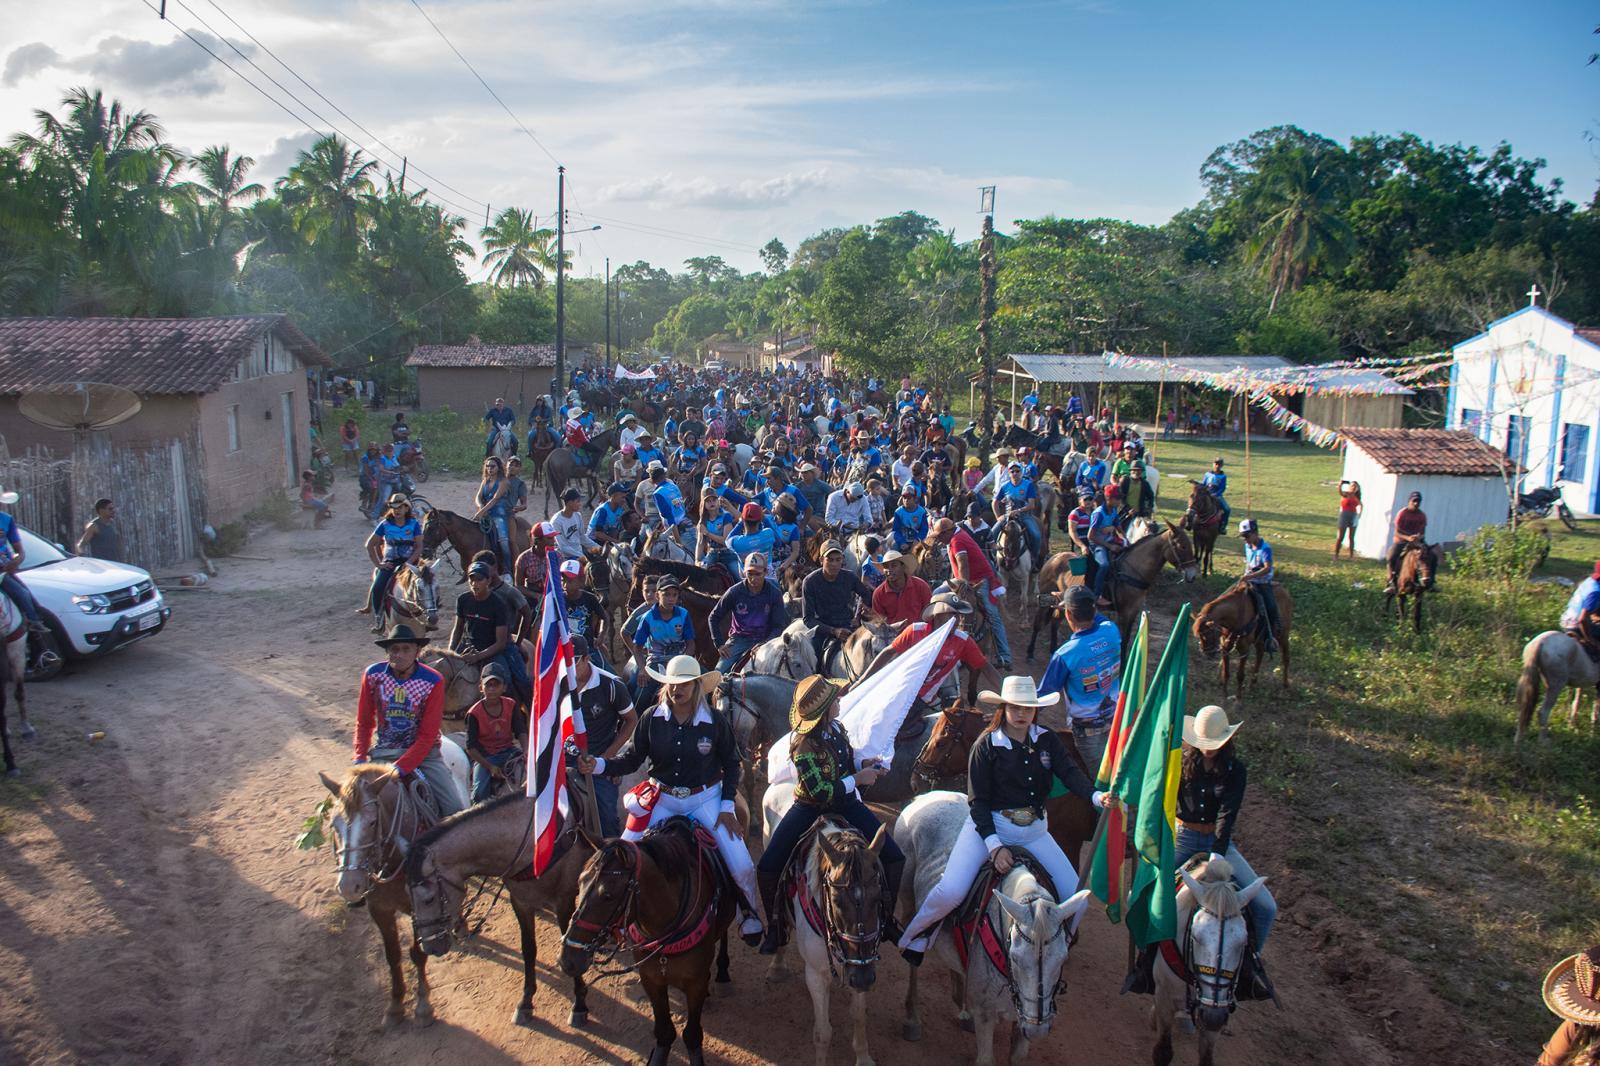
column 707, row 127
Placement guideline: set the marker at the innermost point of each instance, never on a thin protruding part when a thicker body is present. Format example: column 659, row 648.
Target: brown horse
column 1055, row 578
column 465, row 536
column 1228, row 623
column 541, row 442
column 667, row 900
column 494, row 840
column 1137, row 568
column 1204, row 520
column 1417, row 566
column 942, row 763
column 699, row 590
column 562, row 465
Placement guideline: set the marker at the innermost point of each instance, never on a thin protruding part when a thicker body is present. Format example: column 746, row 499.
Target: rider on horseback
column 1410, row 531
column 402, row 702
column 1009, row 776
column 499, row 417
column 1017, row 495
column 828, row 775
column 828, row 605
column 748, row 614
column 1087, row 670
column 395, row 543
column 1216, row 483
column 11, row 556
column 1105, row 544
column 1258, row 574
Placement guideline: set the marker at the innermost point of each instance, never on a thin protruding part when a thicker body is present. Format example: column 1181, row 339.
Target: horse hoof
column 911, row 1031
column 423, row 1018
column 393, row 1020
column 578, row 1019
column 723, row 978
column 965, row 1023
column 523, row 1017
column 697, row 1058
column 28, row 730
column 659, row 1056
column 777, row 975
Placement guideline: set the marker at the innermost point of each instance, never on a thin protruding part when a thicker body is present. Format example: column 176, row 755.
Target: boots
column 770, row 885
column 1141, row 979
column 888, row 924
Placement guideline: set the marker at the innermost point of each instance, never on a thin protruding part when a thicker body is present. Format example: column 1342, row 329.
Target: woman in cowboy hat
column 1572, row 991
column 694, row 768
column 1209, row 796
column 828, row 774
column 1009, row 776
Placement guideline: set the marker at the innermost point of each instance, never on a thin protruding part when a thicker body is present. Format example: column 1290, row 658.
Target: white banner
column 624, row 374
column 873, row 710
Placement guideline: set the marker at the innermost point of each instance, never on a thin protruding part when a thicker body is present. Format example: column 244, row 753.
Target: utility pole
column 986, row 305
column 561, row 305
column 608, row 312
column 403, row 162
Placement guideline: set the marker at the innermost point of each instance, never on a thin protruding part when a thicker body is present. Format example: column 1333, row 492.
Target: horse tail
column 1528, row 684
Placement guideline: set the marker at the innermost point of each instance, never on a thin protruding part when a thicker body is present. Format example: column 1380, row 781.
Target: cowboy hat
column 813, row 697
column 1572, row 988
column 946, row 601
column 1208, row 729
column 906, row 559
column 401, row 634
column 8, row 498
column 1019, row 691
column 682, row 669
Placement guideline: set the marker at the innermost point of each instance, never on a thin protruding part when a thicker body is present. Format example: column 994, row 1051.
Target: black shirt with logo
column 689, row 755
column 1005, row 774
column 480, row 618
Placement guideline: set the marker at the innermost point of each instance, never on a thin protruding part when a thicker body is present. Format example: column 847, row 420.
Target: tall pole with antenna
column 986, row 305
column 608, row 312
column 560, row 389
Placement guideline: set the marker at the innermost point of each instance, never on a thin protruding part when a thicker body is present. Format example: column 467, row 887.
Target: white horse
column 1032, row 926
column 14, row 631
column 659, row 544
column 1213, row 950
column 1016, row 564
column 413, row 597
column 857, row 894
column 790, row 654
column 504, row 444
column 1556, row 660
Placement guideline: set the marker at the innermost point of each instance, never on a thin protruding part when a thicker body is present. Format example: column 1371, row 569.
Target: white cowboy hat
column 1208, row 728
column 575, row 412
column 904, row 558
column 8, row 498
column 1018, row 690
column 684, row 668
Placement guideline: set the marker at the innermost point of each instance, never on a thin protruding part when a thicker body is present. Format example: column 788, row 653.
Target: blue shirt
column 664, row 637
column 688, row 458
column 763, row 540
column 606, row 518
column 1216, row 482
column 646, row 456
column 398, row 540
column 1259, row 554
column 1092, row 474
column 1020, row 493
column 1087, row 669
column 669, row 503
column 500, row 416
column 909, row 525
column 769, row 499
column 10, row 542
column 1103, row 526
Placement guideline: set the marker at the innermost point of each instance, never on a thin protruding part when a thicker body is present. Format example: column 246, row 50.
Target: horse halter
column 859, row 947
column 612, row 927
column 1046, row 1001
column 1210, row 986
column 352, row 858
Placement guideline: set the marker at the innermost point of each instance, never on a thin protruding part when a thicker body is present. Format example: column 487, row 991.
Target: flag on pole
column 556, row 721
column 1106, row 878
column 1147, row 783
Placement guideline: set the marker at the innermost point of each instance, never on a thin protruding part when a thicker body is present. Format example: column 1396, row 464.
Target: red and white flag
column 556, row 722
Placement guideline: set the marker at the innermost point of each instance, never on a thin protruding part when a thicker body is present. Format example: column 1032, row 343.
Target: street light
column 561, row 270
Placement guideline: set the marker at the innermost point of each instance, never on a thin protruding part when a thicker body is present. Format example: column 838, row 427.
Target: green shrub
column 1502, row 555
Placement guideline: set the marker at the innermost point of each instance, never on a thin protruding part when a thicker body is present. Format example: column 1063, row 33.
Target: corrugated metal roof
column 150, row 356
column 1093, row 369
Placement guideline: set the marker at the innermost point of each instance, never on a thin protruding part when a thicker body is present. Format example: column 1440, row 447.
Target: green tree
column 520, row 252
column 774, row 256
column 1298, row 195
column 329, row 190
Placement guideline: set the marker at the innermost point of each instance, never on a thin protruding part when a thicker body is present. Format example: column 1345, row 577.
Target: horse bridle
column 863, row 941
column 1047, row 1001
column 1220, row 984
column 348, row 858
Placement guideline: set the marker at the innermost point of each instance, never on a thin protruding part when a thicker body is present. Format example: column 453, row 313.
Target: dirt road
column 154, row 910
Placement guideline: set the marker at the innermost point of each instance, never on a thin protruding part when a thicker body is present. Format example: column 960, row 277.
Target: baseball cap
column 572, row 567
column 480, row 570
column 496, row 671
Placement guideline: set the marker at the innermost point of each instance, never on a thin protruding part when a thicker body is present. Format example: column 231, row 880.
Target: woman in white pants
column 1009, row 776
column 694, row 768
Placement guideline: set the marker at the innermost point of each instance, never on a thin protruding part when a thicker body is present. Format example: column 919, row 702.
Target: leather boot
column 889, row 925
column 770, row 885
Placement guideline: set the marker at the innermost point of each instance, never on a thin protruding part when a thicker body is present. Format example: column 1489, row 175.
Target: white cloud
column 176, row 66
column 749, row 194
column 28, row 60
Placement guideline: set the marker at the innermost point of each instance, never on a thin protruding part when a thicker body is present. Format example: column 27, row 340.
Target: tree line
column 1301, row 246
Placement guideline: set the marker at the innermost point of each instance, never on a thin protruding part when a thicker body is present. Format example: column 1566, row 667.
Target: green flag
column 1106, row 878
column 1147, row 782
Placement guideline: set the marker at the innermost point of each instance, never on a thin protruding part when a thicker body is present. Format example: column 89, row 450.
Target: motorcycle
column 1540, row 502
column 412, row 461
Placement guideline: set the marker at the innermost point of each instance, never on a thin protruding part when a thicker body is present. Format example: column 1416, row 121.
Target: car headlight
column 92, row 604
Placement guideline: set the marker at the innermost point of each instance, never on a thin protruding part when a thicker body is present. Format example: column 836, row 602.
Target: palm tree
column 519, row 251
column 1299, row 195
column 330, row 189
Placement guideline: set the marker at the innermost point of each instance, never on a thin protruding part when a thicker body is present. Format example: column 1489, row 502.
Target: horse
column 375, row 819
column 1016, row 563
column 699, row 590
column 942, row 763
column 541, row 443
column 1556, row 660
column 1417, row 566
column 618, row 578
column 1051, row 585
column 1228, row 624
column 460, row 678
column 465, row 536
column 1211, row 913
column 668, row 900
column 834, row 883
column 494, row 839
column 562, row 466
column 413, row 598
column 1204, row 519
column 790, row 654
column 1031, row 928
column 933, row 562
column 13, row 670
column 504, row 443
column 1136, row 568
column 659, row 544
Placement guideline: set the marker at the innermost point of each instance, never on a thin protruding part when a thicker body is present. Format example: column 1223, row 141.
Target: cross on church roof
column 1533, row 295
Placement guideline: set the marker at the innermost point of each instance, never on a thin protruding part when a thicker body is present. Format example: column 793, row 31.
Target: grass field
column 1394, row 752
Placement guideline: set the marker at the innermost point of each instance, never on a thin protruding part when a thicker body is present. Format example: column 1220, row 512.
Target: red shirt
column 404, row 713
column 1410, row 523
column 1349, row 502
column 494, row 733
column 977, row 563
column 958, row 649
column 906, row 605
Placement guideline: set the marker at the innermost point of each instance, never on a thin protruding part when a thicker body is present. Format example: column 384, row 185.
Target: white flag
column 873, row 710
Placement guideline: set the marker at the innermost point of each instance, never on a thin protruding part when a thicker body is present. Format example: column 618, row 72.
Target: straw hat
column 684, row 668
column 1208, row 729
column 908, row 560
column 813, row 697
column 1572, row 988
column 1020, row 691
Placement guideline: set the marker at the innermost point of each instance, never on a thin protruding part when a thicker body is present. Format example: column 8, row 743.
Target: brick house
column 226, row 398
column 467, row 378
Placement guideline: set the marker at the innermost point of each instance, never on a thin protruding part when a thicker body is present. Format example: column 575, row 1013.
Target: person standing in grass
column 1349, row 515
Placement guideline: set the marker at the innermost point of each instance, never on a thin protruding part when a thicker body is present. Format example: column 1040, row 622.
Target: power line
column 659, row 231
column 520, row 125
column 345, row 114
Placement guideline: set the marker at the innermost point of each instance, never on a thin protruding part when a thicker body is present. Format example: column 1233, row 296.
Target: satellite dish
column 79, row 406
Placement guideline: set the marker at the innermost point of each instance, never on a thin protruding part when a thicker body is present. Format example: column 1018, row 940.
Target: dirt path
column 153, row 909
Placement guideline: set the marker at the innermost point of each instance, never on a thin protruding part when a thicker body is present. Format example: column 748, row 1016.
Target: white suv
column 91, row 606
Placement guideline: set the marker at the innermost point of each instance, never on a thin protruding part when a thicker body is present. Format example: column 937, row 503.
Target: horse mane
column 350, row 790
column 1216, row 893
column 430, row 836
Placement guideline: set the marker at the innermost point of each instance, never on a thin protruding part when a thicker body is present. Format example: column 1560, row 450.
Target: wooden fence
column 157, row 487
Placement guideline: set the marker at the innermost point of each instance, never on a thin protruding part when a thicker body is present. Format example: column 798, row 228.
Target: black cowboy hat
column 402, row 634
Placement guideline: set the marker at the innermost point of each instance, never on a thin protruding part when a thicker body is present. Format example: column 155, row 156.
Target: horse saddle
column 1590, row 650
column 970, row 921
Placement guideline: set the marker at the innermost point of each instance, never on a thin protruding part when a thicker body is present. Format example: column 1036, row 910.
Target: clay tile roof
column 486, row 355
column 161, row 356
column 1588, row 333
column 1429, row 451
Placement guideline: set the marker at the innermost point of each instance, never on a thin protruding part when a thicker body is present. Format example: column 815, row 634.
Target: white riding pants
column 967, row 858
column 703, row 808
